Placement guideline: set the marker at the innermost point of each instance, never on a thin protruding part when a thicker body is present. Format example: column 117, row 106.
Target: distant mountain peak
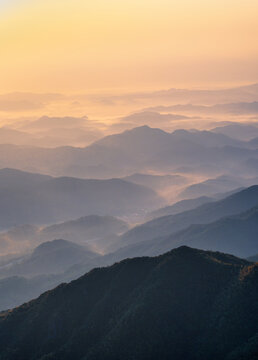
column 53, row 245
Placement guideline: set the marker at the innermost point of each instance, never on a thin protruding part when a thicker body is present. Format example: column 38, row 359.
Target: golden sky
column 82, row 45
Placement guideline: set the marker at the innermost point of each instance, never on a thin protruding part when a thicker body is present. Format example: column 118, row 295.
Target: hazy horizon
column 137, row 44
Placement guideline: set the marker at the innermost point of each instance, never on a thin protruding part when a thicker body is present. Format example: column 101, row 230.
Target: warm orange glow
column 81, row 45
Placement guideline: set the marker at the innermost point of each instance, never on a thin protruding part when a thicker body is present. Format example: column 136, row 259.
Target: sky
column 74, row 46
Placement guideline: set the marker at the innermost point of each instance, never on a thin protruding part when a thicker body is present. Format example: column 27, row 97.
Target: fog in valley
column 89, row 179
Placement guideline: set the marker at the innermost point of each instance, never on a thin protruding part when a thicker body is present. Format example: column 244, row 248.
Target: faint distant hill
column 206, row 138
column 16, row 290
column 212, row 187
column 236, row 108
column 51, row 257
column 52, row 132
column 138, row 150
column 250, row 166
column 151, row 118
column 50, row 264
column 246, row 93
column 185, row 304
column 157, row 182
column 99, row 232
column 12, row 136
column 87, row 227
column 36, row 199
column 239, row 131
column 254, row 143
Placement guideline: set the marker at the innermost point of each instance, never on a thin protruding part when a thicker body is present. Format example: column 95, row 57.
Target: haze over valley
column 128, row 180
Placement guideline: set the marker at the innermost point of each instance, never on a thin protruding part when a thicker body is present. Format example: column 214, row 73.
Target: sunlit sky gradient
column 81, row 45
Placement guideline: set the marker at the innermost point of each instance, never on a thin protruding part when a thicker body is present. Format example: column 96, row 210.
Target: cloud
column 151, row 117
column 47, row 122
column 174, row 96
column 14, row 102
column 13, row 106
column 238, row 108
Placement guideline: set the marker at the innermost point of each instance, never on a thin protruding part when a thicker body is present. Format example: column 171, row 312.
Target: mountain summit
column 187, row 304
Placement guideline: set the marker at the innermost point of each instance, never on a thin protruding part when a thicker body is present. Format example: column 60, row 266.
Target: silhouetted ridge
column 186, row 304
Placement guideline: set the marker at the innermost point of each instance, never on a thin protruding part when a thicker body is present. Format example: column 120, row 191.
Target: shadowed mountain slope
column 180, row 206
column 187, row 304
column 235, row 235
column 166, row 225
column 211, row 187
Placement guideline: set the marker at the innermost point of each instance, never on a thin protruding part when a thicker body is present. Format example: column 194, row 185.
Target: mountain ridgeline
column 28, row 198
column 153, row 149
column 139, row 245
column 96, row 231
column 236, row 235
column 206, row 213
column 175, row 306
column 229, row 225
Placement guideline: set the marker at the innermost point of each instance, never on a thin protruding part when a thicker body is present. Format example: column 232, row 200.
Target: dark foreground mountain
column 27, row 279
column 187, row 304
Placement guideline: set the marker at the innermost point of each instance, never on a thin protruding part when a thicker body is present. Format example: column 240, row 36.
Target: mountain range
column 129, row 233
column 236, row 235
column 96, row 231
column 180, row 206
column 166, row 225
column 28, row 198
column 228, row 225
column 241, row 131
column 175, row 306
column 214, row 186
column 236, row 108
column 114, row 155
column 51, row 132
column 245, row 93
